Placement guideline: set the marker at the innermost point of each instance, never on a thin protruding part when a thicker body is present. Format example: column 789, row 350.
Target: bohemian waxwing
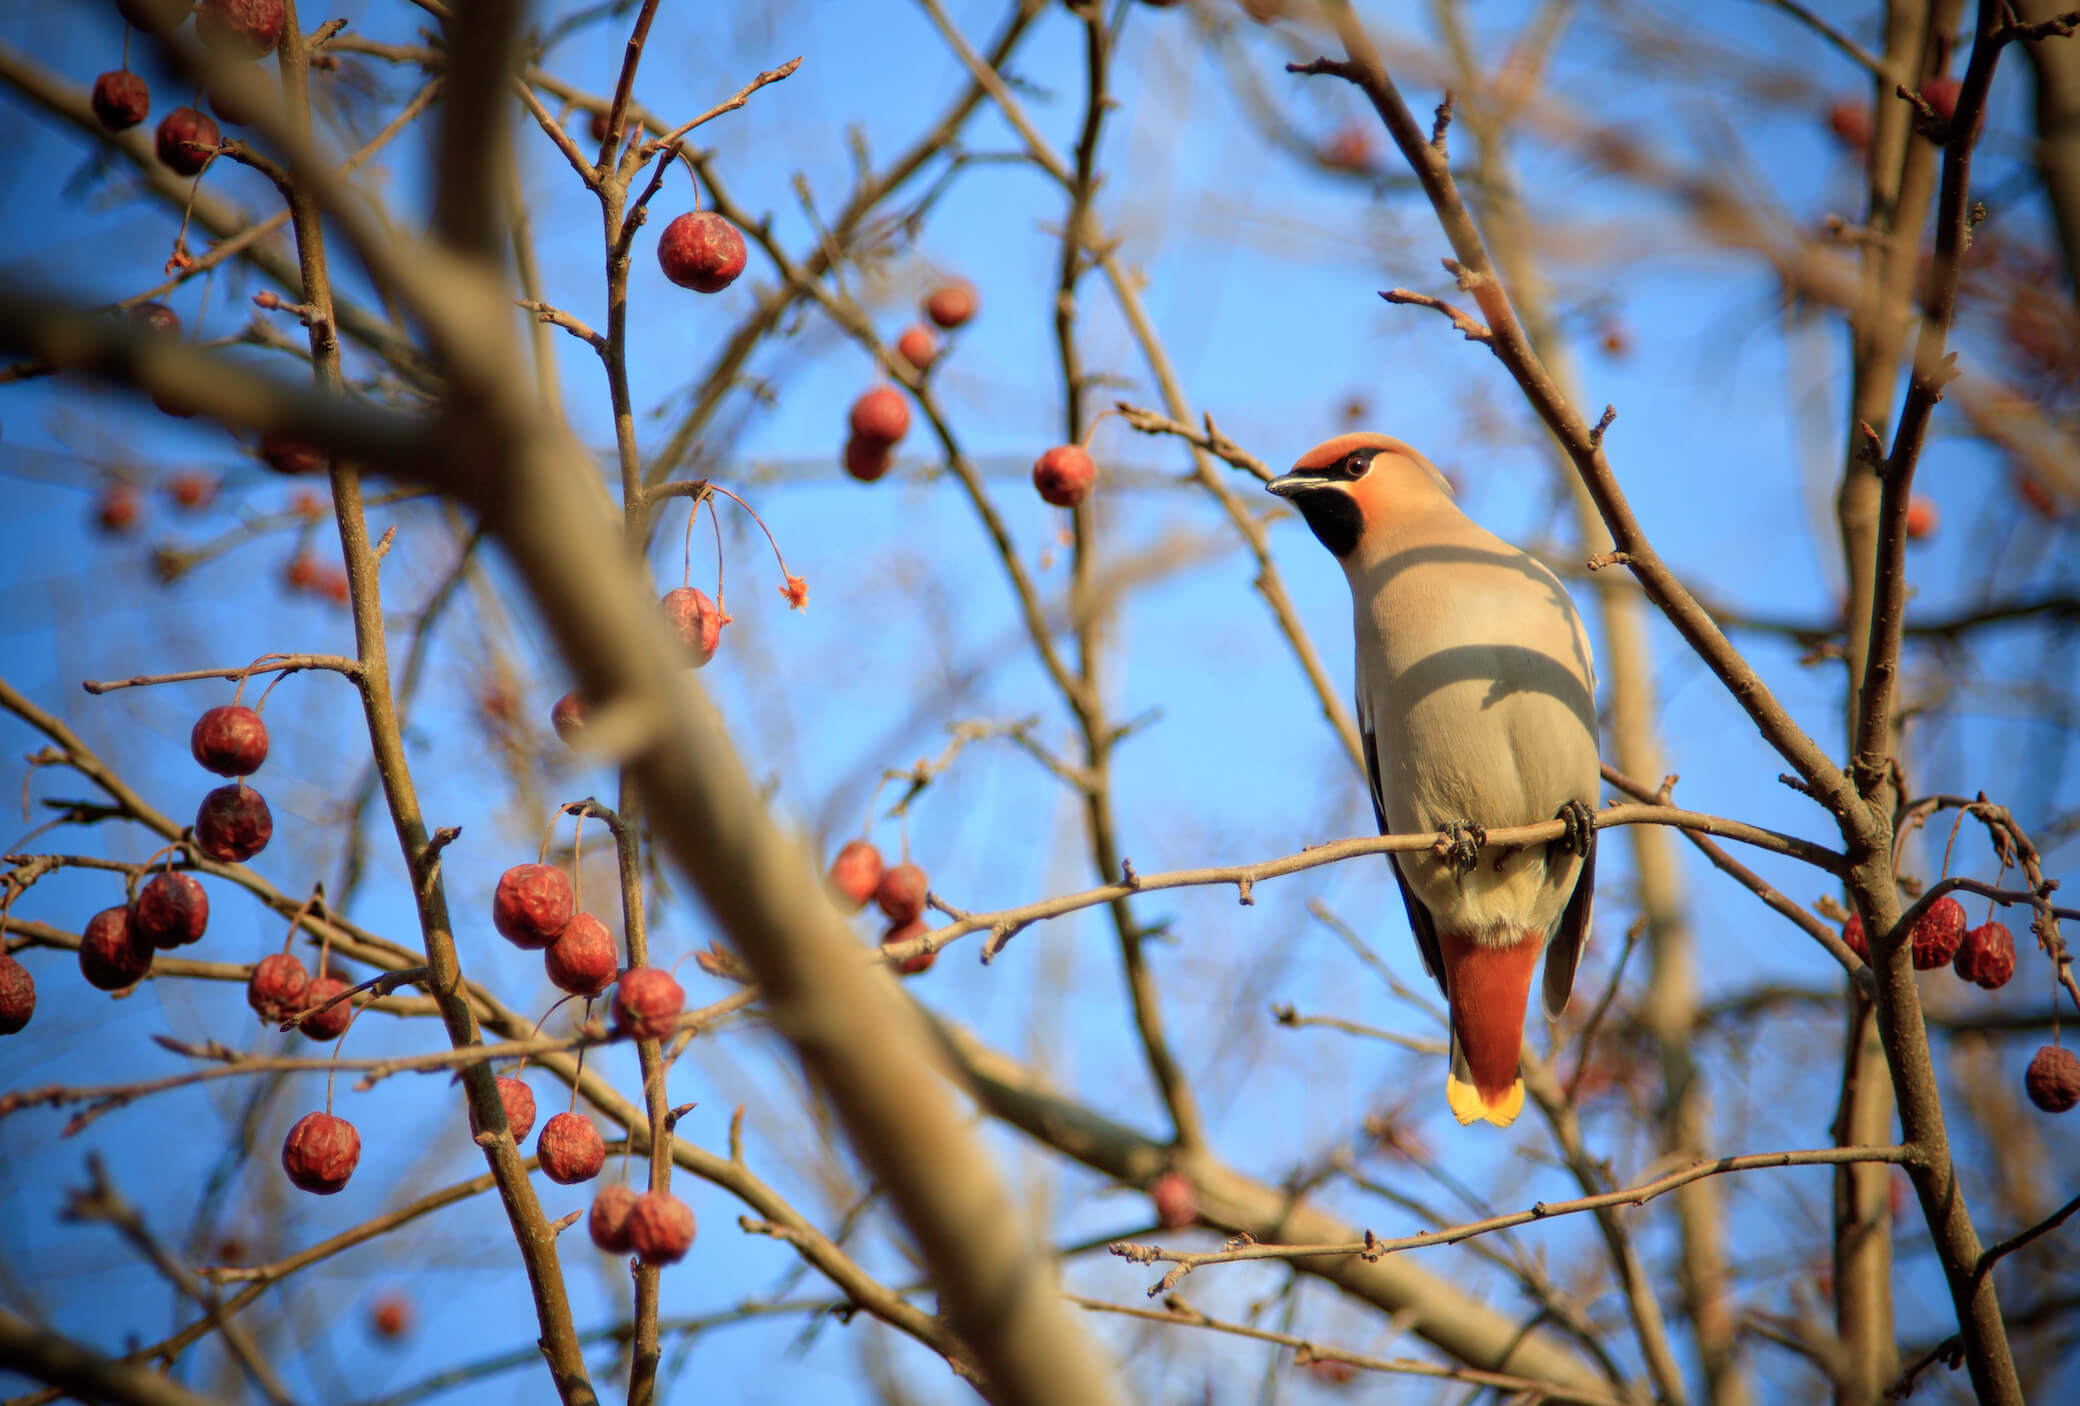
column 1476, row 703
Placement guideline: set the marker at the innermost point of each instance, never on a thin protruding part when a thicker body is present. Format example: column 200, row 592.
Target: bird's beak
column 1292, row 485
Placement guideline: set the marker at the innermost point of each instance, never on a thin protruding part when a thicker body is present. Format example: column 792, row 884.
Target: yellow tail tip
column 1470, row 1105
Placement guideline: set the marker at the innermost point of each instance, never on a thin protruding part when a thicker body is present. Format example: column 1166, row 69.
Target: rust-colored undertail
column 1489, row 987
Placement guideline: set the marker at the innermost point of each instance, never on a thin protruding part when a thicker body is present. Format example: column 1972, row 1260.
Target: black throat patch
column 1334, row 517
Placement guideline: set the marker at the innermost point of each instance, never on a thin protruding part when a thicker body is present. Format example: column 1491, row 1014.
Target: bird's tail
column 1489, row 986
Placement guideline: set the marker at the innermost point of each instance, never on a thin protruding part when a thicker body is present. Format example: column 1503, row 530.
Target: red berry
column 115, row 512
column 111, row 955
column 582, row 960
column 1064, row 475
column 1350, row 149
column 240, row 29
column 191, row 491
column 332, row 584
column 533, row 905
column 901, row 893
column 701, row 251
column 230, row 741
column 697, row 619
column 2053, row 1080
column 1987, row 956
column 171, row 911
column 856, row 873
column 1921, row 518
column 320, row 1153
column 951, row 304
column 332, row 1022
column 1938, row 933
column 598, row 126
column 660, row 1228
column 157, row 318
column 866, row 459
column 607, row 1222
column 1852, row 934
column 17, row 995
column 903, row 932
column 647, row 1002
column 519, row 1102
column 233, row 824
column 185, row 140
column 881, row 416
column 154, row 16
column 570, row 1149
column 917, row 346
column 1941, row 94
column 390, row 1317
column 1177, row 1201
column 568, row 718
column 289, row 456
column 278, row 987
column 1850, row 121
column 301, row 574
column 120, row 100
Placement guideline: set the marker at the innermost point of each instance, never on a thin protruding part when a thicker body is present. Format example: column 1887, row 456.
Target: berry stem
column 521, row 1067
column 126, row 48
column 580, row 1074
column 317, row 894
column 239, row 693
column 1091, row 430
column 778, row 555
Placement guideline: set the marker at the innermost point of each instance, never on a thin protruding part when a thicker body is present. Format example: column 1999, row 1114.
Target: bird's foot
column 1581, row 830
column 1459, row 845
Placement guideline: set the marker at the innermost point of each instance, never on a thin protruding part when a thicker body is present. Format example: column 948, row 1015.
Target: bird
column 1476, row 709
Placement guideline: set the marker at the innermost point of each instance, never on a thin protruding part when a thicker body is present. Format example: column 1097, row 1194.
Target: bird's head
column 1354, row 484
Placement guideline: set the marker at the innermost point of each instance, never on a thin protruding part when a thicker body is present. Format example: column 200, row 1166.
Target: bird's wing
column 1418, row 916
column 1564, row 952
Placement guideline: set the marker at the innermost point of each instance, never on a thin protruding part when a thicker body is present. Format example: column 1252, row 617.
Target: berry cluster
column 899, row 891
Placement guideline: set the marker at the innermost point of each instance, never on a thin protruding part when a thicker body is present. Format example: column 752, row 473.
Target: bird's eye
column 1356, row 463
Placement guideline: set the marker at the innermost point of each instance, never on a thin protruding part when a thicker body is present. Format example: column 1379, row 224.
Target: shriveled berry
column 1348, row 149
column 185, row 140
column 568, row 718
column 1852, row 935
column 2053, row 1079
column 1922, row 518
column 570, row 1149
column 17, row 995
column 1941, row 93
column 951, row 304
column 901, row 893
column 582, row 960
column 240, row 29
column 519, row 1102
column 1850, row 121
column 702, row 251
column 1987, row 956
column 660, row 1228
column 115, row 511
column 111, row 955
column 233, row 824
column 918, row 346
column 320, row 1153
column 120, row 100
column 278, row 987
column 171, row 911
column 533, row 905
column 1938, row 933
column 1177, row 1201
column 289, row 456
column 230, row 741
column 607, row 1221
column 390, row 1316
column 191, row 491
column 856, row 873
column 698, row 620
column 881, row 416
column 903, row 932
column 332, row 1022
column 866, row 459
column 1064, row 474
column 647, row 1002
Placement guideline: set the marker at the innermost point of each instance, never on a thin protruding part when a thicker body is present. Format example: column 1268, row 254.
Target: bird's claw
column 1581, row 830
column 1459, row 845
